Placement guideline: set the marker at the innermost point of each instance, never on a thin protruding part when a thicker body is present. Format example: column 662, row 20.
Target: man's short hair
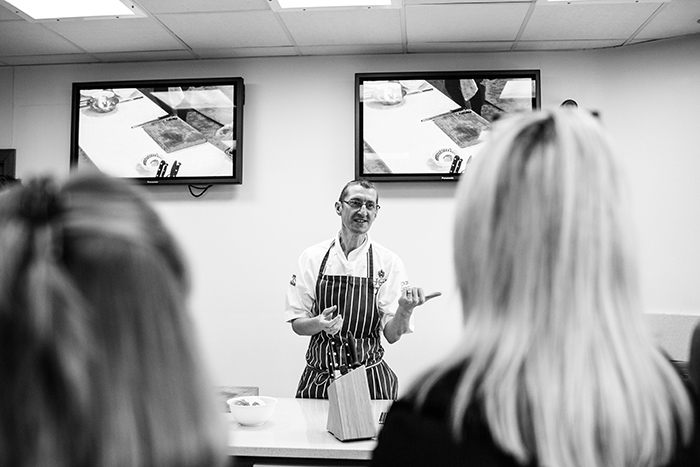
column 363, row 182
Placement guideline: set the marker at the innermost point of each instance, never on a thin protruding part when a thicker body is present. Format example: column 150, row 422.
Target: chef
column 346, row 292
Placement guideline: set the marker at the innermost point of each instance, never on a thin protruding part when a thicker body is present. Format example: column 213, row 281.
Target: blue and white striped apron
column 356, row 301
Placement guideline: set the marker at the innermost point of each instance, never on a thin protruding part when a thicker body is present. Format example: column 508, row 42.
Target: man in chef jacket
column 350, row 289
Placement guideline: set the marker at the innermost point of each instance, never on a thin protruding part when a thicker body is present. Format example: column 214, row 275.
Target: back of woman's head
column 555, row 341
column 98, row 363
column 542, row 216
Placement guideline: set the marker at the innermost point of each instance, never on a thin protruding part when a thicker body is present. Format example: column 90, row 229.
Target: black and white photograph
column 349, row 233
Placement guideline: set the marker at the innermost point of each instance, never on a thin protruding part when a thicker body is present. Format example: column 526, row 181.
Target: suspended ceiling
column 211, row 29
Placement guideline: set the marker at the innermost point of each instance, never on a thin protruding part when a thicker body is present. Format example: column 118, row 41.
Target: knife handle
column 343, row 367
column 352, row 345
column 335, row 365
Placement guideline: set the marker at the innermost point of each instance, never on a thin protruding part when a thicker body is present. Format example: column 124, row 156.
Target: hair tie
column 39, row 204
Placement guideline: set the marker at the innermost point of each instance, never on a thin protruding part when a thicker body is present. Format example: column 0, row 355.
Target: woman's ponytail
column 47, row 318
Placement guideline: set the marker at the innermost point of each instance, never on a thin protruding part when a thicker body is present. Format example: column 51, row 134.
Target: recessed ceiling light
column 42, row 10
column 286, row 4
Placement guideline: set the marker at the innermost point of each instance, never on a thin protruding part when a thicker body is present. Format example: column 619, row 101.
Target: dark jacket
column 413, row 436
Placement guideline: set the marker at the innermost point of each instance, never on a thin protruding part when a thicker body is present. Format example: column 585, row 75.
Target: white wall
column 6, row 98
column 655, row 89
column 243, row 241
column 657, row 121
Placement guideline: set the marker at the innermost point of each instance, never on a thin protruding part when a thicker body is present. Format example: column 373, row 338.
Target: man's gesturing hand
column 412, row 297
column 330, row 326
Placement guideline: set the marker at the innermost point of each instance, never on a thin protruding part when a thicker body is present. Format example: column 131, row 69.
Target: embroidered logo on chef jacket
column 380, row 280
column 293, row 282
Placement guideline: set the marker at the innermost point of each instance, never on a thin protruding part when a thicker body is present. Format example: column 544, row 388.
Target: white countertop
column 298, row 429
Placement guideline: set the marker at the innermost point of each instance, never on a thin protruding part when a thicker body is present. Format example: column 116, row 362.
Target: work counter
column 296, row 435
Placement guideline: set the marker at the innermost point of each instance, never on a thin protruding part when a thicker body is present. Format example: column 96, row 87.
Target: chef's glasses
column 357, row 204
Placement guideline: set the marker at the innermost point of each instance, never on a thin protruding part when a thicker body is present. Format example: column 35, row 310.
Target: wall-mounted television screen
column 417, row 126
column 174, row 131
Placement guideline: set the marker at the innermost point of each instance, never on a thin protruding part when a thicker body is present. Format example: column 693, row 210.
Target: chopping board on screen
column 173, row 134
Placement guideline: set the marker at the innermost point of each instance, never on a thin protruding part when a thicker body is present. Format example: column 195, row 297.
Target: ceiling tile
column 587, row 22
column 117, row 35
column 368, row 49
column 48, row 59
column 182, row 6
column 344, row 27
column 566, row 45
column 239, row 52
column 458, row 47
column 433, row 2
column 465, row 22
column 640, row 41
column 676, row 18
column 8, row 14
column 24, row 38
column 159, row 56
column 217, row 30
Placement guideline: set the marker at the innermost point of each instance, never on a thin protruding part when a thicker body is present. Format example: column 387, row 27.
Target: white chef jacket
column 390, row 277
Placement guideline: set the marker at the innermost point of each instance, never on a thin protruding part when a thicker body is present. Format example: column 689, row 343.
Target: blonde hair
column 555, row 346
column 98, row 363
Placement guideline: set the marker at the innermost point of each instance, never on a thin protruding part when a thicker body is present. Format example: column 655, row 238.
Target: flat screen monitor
column 174, row 131
column 427, row 126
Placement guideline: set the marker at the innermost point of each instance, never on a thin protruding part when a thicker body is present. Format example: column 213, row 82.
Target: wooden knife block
column 350, row 414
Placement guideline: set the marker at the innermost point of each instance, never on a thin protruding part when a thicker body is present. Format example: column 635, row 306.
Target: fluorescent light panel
column 65, row 9
column 331, row 3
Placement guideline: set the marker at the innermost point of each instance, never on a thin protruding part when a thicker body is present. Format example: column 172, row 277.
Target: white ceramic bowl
column 104, row 101
column 252, row 410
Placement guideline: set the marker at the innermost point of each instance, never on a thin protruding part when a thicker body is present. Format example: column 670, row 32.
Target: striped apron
column 356, row 301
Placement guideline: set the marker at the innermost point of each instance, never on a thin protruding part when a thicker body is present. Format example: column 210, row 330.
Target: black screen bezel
column 235, row 178
column 360, row 78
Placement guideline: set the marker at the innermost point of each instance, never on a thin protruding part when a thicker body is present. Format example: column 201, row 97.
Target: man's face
column 357, row 220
